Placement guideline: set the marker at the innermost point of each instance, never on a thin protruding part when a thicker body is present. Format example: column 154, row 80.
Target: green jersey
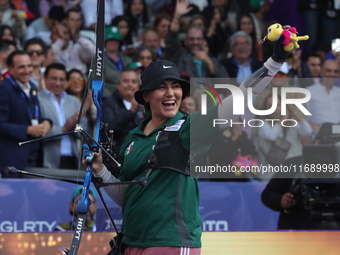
column 165, row 211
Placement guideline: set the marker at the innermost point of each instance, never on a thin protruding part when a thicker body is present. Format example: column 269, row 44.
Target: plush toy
column 275, row 31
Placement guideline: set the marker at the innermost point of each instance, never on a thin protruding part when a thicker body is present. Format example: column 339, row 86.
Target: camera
column 320, row 177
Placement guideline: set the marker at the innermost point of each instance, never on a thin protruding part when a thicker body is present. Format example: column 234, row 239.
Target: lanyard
column 118, row 65
column 33, row 106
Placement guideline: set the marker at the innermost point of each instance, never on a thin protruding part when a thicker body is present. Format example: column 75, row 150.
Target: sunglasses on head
column 38, row 52
column 76, row 81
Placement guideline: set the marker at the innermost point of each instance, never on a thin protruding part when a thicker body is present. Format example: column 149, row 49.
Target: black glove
column 279, row 54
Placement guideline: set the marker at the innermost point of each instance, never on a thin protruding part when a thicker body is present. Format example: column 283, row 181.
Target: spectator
column 63, row 110
column 113, row 8
column 49, row 58
column 121, row 112
column 284, row 195
column 6, row 48
column 46, row 5
column 74, row 21
column 185, row 19
column 314, row 64
column 272, row 132
column 114, row 60
column 215, row 34
column 161, row 25
column 246, row 24
column 198, row 21
column 137, row 11
column 241, row 65
column 123, row 24
column 144, row 55
column 76, row 87
column 258, row 10
column 152, row 40
column 71, row 49
column 232, row 145
column 192, row 58
column 7, row 33
column 324, row 104
column 20, row 115
column 228, row 11
column 26, row 9
column 11, row 17
column 36, row 48
column 297, row 68
column 42, row 27
column 90, row 223
column 188, row 105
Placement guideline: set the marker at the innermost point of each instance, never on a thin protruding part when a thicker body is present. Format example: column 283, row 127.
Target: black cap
column 157, row 72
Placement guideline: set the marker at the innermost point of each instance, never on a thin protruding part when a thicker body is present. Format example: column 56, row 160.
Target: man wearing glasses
column 62, row 109
column 36, row 48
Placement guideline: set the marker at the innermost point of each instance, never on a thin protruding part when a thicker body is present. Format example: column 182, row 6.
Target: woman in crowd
column 7, row 33
column 246, row 24
column 124, row 26
column 215, row 34
column 144, row 55
column 161, row 26
column 137, row 12
column 76, row 87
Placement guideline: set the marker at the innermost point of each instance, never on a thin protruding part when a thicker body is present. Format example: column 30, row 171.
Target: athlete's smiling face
column 165, row 100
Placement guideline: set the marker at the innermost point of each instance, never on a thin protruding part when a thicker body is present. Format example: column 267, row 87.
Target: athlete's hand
column 97, row 161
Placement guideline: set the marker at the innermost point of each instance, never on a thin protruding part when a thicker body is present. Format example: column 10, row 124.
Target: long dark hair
column 3, row 28
column 140, row 49
column 252, row 34
column 134, row 21
column 128, row 39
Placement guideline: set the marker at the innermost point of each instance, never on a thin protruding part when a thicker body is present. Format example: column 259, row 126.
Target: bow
column 97, row 95
column 93, row 144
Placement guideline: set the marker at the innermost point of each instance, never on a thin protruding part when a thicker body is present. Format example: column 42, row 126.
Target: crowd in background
column 215, row 39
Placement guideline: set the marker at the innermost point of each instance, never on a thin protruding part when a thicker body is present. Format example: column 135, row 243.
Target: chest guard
column 169, row 152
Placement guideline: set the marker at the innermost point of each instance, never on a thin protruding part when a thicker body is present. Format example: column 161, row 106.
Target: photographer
column 284, row 195
column 308, row 199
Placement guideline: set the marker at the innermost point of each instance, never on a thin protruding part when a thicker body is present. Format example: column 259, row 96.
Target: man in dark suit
column 20, row 115
column 122, row 113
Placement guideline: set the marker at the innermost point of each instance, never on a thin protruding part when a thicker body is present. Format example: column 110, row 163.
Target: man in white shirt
column 71, row 49
column 42, row 27
column 324, row 104
column 113, row 8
